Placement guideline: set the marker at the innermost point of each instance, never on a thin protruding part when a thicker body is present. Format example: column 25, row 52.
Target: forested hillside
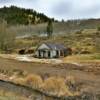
column 14, row 15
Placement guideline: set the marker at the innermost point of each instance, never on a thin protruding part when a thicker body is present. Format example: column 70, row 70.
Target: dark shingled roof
column 55, row 46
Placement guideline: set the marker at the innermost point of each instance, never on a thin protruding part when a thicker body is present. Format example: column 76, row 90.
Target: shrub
column 74, row 85
column 96, row 56
column 98, row 28
column 70, row 82
column 20, row 81
column 79, row 31
column 34, row 81
column 56, row 86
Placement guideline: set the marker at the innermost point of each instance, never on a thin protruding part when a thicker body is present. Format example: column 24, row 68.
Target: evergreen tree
column 49, row 29
column 14, row 16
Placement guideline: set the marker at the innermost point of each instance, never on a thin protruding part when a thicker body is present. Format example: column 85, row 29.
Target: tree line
column 14, row 15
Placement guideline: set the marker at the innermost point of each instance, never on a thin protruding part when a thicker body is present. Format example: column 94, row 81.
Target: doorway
column 49, row 55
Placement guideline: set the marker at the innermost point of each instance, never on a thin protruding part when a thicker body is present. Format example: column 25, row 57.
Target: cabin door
column 39, row 53
column 44, row 53
column 57, row 53
column 49, row 55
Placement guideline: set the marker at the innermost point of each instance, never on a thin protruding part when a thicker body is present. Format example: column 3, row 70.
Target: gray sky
column 60, row 9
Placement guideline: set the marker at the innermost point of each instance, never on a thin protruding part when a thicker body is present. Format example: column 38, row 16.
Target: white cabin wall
column 53, row 53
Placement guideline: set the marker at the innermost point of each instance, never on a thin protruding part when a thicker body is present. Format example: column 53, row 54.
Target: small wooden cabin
column 51, row 50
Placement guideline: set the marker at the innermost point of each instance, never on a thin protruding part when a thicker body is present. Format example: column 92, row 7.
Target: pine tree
column 49, row 29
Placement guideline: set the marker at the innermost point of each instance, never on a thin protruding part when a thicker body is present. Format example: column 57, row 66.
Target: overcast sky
column 60, row 9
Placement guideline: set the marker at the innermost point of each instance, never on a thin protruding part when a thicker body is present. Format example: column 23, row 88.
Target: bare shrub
column 56, row 86
column 34, row 81
column 70, row 79
column 20, row 81
column 7, row 37
column 73, row 84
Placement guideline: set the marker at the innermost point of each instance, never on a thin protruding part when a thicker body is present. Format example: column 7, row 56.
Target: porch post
column 46, row 54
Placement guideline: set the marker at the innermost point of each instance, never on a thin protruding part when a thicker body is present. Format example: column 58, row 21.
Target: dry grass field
column 81, row 58
column 87, row 73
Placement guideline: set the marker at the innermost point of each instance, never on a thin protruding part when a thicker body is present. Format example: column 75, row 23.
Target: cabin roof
column 55, row 46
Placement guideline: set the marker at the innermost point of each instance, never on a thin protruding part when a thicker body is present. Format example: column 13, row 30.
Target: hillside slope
column 14, row 15
column 60, row 27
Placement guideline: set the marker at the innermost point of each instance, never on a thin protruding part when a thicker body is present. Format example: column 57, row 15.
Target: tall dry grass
column 56, row 86
column 35, row 81
column 73, row 84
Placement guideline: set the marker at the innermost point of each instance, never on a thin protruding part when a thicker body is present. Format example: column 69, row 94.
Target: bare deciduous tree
column 7, row 36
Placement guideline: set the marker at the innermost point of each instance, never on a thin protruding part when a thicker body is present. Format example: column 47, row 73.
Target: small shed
column 51, row 50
